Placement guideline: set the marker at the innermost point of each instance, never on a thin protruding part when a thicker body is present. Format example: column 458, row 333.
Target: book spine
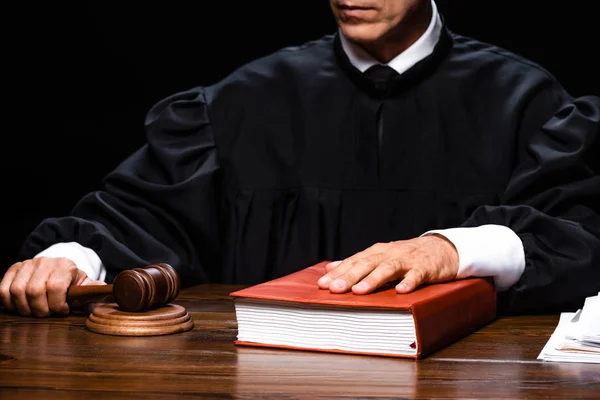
column 443, row 320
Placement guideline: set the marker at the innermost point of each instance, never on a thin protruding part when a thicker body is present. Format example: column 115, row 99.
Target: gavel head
column 145, row 288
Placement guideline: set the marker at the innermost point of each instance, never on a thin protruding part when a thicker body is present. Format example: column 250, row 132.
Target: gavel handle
column 81, row 295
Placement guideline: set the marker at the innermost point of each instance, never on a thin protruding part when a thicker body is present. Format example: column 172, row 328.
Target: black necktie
column 381, row 76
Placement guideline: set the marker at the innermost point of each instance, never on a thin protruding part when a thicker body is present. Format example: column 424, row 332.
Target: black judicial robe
column 280, row 165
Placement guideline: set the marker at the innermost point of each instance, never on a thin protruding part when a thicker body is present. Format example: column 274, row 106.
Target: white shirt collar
column 403, row 61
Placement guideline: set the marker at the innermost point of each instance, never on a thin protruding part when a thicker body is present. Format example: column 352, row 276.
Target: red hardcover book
column 292, row 312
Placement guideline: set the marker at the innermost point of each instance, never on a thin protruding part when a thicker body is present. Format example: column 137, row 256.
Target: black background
column 81, row 77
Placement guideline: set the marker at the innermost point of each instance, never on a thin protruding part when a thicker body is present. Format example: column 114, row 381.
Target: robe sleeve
column 552, row 202
column 158, row 205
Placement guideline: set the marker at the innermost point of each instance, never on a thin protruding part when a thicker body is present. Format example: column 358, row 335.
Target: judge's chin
column 364, row 32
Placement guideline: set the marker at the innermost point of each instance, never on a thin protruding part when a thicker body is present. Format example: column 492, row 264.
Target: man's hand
column 38, row 287
column 427, row 259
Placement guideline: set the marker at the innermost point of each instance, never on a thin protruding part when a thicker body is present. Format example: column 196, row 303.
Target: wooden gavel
column 136, row 289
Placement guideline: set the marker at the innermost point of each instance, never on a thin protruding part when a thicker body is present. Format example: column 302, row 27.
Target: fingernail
column 325, row 280
column 338, row 284
column 335, row 263
column 402, row 287
column 361, row 286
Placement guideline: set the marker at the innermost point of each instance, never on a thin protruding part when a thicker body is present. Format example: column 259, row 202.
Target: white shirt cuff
column 85, row 258
column 487, row 250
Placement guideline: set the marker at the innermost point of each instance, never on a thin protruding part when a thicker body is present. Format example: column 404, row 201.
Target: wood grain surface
column 58, row 358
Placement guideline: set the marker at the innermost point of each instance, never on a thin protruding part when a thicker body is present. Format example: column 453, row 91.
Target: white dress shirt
column 488, row 250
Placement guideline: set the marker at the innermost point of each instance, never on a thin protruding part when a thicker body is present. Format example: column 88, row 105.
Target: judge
column 395, row 147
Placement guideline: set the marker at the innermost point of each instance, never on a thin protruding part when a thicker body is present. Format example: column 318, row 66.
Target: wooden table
column 58, row 358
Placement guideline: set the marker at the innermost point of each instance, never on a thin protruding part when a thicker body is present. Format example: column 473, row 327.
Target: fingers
column 38, row 287
column 338, row 268
column 386, row 271
column 351, row 273
column 57, row 286
column 332, row 265
column 35, row 289
column 413, row 279
column 5, row 295
column 418, row 261
column 18, row 289
column 64, row 274
column 346, row 276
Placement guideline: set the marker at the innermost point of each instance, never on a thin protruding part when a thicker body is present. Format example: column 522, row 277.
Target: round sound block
column 110, row 320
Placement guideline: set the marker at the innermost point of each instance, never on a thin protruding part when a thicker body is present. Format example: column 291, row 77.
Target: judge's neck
column 402, row 36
